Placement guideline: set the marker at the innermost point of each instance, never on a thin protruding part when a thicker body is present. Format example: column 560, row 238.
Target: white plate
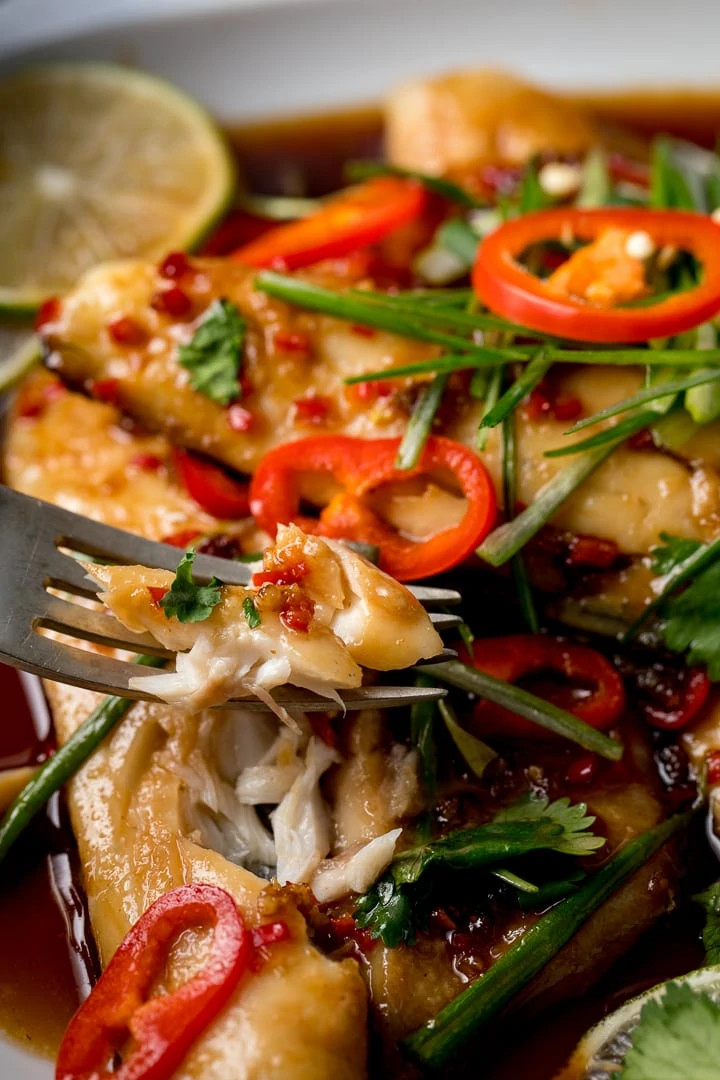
column 287, row 56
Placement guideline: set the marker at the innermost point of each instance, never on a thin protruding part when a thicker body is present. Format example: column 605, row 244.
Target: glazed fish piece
column 322, row 613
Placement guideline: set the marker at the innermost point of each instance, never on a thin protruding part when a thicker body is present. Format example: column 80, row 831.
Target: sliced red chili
column 521, row 655
column 670, row 697
column 510, row 290
column 211, row 487
column 163, row 1028
column 353, row 219
column 361, row 466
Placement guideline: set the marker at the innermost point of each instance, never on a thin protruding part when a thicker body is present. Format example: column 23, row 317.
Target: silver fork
column 32, row 534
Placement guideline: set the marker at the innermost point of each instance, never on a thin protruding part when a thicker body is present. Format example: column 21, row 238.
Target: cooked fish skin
column 453, row 124
column 126, row 810
column 634, row 496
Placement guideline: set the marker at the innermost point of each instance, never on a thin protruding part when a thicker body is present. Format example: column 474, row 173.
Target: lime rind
column 19, row 362
column 600, row 1053
column 191, row 198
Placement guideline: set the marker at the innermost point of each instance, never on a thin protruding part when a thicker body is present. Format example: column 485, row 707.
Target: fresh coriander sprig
column 710, row 900
column 434, row 1043
column 527, row 705
column 692, row 567
column 187, row 601
column 214, row 354
column 64, row 763
column 677, row 1037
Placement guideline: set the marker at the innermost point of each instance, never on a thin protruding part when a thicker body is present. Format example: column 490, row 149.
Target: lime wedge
column 100, row 162
column 19, row 353
column 600, row 1053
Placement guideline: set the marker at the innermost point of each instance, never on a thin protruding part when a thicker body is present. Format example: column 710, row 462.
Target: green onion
column 506, row 541
column 64, row 763
column 523, row 703
column 671, row 185
column 623, row 357
column 630, row 425
column 474, row 751
column 516, row 881
column 691, row 567
column 420, row 423
column 433, row 1044
column 650, row 393
column 457, row 237
column 447, row 363
column 492, row 396
column 438, row 314
column 517, row 563
column 528, row 380
column 365, row 170
column 596, row 185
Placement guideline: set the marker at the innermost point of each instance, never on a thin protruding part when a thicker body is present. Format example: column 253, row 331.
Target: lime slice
column 100, row 162
column 19, row 353
column 600, row 1053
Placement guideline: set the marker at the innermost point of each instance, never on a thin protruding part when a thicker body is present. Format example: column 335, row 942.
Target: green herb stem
column 525, row 704
column 63, row 765
column 517, row 563
column 629, row 425
column 434, row 1044
column 534, row 372
column 650, row 393
column 420, row 423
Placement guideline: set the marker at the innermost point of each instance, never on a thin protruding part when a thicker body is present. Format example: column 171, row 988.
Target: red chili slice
column 361, row 466
column 163, row 1028
column 520, row 655
column 211, row 487
column 670, row 699
column 353, row 219
column 510, row 290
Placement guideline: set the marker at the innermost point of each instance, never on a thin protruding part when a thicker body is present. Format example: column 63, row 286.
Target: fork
column 44, row 547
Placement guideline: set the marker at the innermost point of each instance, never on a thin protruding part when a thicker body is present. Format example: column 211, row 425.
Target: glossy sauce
column 47, row 959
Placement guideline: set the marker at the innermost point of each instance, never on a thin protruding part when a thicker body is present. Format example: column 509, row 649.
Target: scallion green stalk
column 626, row 427
column 420, row 423
column 527, row 381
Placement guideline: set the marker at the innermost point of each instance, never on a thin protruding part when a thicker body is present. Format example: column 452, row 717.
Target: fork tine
column 98, row 626
column 441, row 621
column 427, row 594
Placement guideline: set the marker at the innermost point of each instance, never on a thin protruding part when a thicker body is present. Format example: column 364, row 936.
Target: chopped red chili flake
column 182, row 539
column 147, row 462
column 363, row 331
column 542, row 403
column 642, row 440
column 174, row 266
column 33, row 401
column 239, row 418
column 126, row 331
column 157, row 593
column 289, row 341
column 297, row 612
column 283, row 575
column 582, row 770
column 592, row 551
column 48, row 312
column 369, row 392
column 322, row 726
column 263, row 937
column 105, row 390
column 311, row 410
column 713, row 768
column 172, row 301
column 343, row 928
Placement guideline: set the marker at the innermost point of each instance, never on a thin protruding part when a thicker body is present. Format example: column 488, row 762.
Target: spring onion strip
column 506, row 541
column 492, row 396
column 350, row 307
column 420, row 423
column 651, row 393
column 527, row 381
column 691, row 567
column 521, row 884
column 517, row 563
column 439, row 315
column 525, row 704
column 63, row 765
column 433, row 1044
column 626, row 427
column 365, row 170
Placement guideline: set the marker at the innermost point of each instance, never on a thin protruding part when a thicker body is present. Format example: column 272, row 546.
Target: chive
column 422, row 735
column 506, row 541
column 349, row 306
column 528, row 380
column 517, row 563
column 596, row 185
column 365, row 170
column 494, row 389
column 63, row 765
column 420, row 424
column 651, row 393
column 457, row 237
column 441, row 297
column 474, row 751
column 523, row 703
column 691, row 567
column 447, row 363
column 438, row 314
column 435, row 1042
column 521, row 884
column 626, row 427
column 622, row 357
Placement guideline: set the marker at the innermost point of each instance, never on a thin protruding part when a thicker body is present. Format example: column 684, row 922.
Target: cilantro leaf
column 213, row 356
column 574, row 819
column 692, row 623
column 710, row 900
column 391, row 909
column 187, row 601
column 251, row 613
column 671, row 553
column 678, row 1038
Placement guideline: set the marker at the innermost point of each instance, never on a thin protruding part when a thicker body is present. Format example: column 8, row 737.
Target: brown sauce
column 46, row 956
